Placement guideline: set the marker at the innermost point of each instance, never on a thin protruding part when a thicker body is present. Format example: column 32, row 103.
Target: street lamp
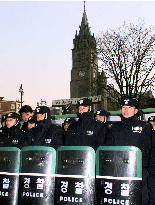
column 21, row 94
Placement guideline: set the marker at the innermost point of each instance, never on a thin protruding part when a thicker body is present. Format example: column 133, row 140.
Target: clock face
column 81, row 73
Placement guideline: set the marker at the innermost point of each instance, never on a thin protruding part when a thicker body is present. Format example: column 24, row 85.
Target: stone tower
column 84, row 73
column 84, row 62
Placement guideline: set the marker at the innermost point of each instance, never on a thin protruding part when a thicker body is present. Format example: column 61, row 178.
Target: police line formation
column 86, row 161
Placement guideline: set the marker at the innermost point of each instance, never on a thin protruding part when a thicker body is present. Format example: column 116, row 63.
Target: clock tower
column 84, row 71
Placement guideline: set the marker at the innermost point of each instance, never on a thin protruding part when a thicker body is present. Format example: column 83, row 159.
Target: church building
column 86, row 80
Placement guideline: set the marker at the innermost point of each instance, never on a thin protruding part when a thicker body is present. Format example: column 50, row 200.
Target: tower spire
column 84, row 27
column 84, row 6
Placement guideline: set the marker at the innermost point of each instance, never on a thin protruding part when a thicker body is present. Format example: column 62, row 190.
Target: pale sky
column 36, row 38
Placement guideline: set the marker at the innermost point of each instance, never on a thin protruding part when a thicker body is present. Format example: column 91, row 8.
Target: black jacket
column 45, row 134
column 152, row 171
column 86, row 132
column 132, row 132
column 12, row 137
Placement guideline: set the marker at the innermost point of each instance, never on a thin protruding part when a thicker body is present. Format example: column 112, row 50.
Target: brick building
column 9, row 106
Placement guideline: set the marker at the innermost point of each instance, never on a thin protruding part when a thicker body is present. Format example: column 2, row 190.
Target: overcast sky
column 36, row 39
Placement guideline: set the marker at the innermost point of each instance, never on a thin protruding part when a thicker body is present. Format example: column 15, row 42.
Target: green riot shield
column 75, row 175
column 9, row 175
column 36, row 181
column 118, row 175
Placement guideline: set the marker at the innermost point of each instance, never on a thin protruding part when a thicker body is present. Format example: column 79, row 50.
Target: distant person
column 12, row 135
column 3, row 124
column 3, row 119
column 102, row 115
column 67, row 122
column 130, row 131
column 45, row 133
column 65, row 125
column 86, row 131
column 26, row 112
column 151, row 120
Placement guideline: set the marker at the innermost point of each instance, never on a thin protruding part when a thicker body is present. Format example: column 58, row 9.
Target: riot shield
column 9, row 175
column 36, row 181
column 75, row 175
column 118, row 175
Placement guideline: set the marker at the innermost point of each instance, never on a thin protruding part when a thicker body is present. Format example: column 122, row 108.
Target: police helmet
column 43, row 110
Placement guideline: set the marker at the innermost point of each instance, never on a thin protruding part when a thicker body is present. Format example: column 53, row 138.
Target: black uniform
column 25, row 109
column 45, row 134
column 12, row 137
column 86, row 132
column 152, row 171
column 132, row 132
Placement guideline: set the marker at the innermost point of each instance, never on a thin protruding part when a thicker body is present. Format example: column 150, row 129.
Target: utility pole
column 21, row 94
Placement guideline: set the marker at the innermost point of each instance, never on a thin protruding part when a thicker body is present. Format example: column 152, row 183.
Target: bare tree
column 127, row 56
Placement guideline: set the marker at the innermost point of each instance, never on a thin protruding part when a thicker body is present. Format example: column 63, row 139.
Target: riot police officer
column 65, row 125
column 130, row 131
column 3, row 125
column 12, row 135
column 151, row 120
column 67, row 122
column 26, row 113
column 45, row 133
column 102, row 115
column 86, row 131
